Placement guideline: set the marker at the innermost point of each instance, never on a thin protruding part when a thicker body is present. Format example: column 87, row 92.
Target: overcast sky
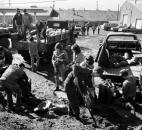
column 67, row 4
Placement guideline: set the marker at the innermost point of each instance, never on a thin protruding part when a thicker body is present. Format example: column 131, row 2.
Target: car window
column 120, row 38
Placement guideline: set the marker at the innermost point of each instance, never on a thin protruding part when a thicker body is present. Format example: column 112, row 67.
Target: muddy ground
column 42, row 88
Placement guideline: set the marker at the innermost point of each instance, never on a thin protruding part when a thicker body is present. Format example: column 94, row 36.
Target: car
column 117, row 28
column 118, row 44
column 132, row 29
column 108, row 26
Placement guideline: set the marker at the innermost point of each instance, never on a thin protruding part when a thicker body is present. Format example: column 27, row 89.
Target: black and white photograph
column 71, row 65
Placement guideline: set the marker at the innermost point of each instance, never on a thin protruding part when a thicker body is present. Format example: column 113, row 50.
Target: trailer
column 45, row 49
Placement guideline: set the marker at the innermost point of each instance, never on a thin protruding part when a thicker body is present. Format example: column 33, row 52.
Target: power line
column 33, row 2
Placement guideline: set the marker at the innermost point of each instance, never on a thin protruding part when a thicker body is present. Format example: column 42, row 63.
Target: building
column 131, row 13
column 6, row 14
column 98, row 16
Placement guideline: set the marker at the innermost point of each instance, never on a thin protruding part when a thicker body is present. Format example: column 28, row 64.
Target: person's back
column 12, row 73
column 33, row 50
column 129, row 87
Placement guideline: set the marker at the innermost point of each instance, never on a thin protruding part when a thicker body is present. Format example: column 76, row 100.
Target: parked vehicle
column 108, row 26
column 132, row 29
column 117, row 28
column 118, row 44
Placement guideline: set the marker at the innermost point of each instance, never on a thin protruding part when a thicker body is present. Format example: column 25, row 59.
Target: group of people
column 83, row 75
column 86, row 28
column 64, row 57
column 22, row 22
column 72, row 69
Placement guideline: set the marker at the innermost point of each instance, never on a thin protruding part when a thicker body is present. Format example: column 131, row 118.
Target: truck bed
column 133, row 70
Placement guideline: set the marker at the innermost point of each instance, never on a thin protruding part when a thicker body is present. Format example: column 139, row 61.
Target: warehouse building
column 131, row 13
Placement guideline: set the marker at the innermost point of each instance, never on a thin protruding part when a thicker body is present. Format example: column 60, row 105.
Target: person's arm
column 125, row 88
column 14, row 19
column 82, row 64
column 53, row 58
column 65, row 57
column 69, row 79
column 80, row 58
column 74, row 57
column 14, row 22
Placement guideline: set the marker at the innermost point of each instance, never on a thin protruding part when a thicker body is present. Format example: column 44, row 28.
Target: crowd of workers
column 72, row 70
column 86, row 28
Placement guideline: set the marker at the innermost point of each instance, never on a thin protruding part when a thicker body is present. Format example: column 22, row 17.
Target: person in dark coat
column 41, row 30
column 17, row 22
column 76, row 85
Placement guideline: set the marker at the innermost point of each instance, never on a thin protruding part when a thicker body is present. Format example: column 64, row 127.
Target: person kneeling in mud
column 76, row 85
column 8, row 83
column 128, row 91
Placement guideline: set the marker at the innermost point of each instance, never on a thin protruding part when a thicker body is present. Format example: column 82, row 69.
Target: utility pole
column 118, row 12
column 97, row 8
column 53, row 4
column 9, row 3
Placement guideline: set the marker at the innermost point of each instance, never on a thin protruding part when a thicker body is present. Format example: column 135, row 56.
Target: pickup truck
column 118, row 43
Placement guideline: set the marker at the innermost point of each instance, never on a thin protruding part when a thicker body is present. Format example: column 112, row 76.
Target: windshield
column 121, row 38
